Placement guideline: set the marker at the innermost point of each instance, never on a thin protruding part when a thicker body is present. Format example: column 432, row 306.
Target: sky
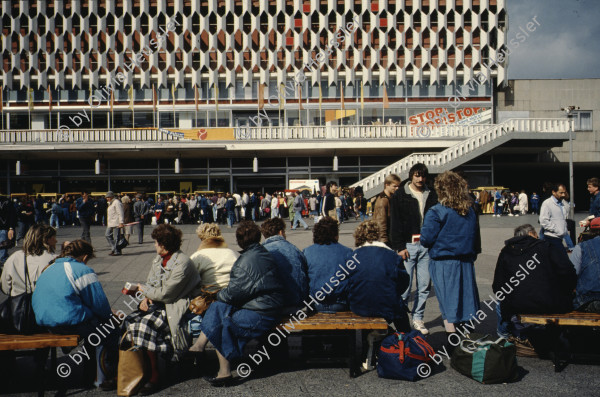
column 566, row 45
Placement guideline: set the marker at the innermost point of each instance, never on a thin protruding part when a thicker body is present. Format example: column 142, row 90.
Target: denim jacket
column 588, row 282
column 291, row 263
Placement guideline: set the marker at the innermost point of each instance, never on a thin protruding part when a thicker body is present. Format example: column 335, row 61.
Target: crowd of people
column 419, row 230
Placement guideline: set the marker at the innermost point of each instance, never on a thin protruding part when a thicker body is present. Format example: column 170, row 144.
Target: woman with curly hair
column 173, row 280
column 451, row 232
column 377, row 278
column 323, row 259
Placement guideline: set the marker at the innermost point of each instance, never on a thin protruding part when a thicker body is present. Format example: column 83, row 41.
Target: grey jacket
column 140, row 208
column 175, row 285
column 552, row 218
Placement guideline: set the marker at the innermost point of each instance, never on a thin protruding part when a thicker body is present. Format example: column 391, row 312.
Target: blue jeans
column 331, row 308
column 66, row 216
column 298, row 218
column 502, row 327
column 498, row 209
column 362, row 215
column 569, row 242
column 112, row 236
column 230, row 218
column 54, row 220
column 3, row 252
column 417, row 263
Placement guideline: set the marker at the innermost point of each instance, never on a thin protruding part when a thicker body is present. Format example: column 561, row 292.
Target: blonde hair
column 125, row 199
column 36, row 239
column 366, row 232
column 208, row 230
column 453, row 192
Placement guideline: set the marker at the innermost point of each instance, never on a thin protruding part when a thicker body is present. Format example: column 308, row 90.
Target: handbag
column 131, row 369
column 199, row 305
column 401, row 354
column 486, row 360
column 16, row 312
column 122, row 242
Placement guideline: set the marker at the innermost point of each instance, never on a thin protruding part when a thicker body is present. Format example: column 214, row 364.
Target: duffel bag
column 401, row 354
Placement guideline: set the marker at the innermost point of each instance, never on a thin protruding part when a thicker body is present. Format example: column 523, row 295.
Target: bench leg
column 40, row 357
column 560, row 353
column 354, row 341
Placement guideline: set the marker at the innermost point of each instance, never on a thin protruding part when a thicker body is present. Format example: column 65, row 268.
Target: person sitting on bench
column 249, row 307
column 291, row 263
column 586, row 260
column 532, row 276
column 377, row 278
column 68, row 299
column 324, row 258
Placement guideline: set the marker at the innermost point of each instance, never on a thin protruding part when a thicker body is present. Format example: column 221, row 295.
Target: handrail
column 464, row 147
column 345, row 132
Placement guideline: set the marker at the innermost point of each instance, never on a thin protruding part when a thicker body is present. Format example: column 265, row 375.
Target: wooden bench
column 554, row 321
column 40, row 343
column 342, row 321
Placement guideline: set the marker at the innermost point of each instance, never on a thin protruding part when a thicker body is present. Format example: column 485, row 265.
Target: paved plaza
column 295, row 378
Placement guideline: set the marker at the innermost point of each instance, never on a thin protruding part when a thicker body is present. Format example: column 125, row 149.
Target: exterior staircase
column 468, row 149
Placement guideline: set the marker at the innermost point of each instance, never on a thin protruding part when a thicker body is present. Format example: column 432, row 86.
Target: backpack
column 402, row 355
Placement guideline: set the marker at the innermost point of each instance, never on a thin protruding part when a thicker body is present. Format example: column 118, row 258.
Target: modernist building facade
column 232, row 94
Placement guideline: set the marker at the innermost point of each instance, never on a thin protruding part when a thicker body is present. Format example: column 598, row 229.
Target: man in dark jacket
column 328, row 207
column 8, row 224
column 140, row 211
column 408, row 207
column 86, row 210
column 532, row 276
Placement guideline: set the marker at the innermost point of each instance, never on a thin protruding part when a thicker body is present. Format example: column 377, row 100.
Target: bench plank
column 340, row 320
column 37, row 341
column 572, row 318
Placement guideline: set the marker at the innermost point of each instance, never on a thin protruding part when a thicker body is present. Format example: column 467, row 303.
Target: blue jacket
column 588, row 281
column 324, row 261
column 448, row 234
column 595, row 205
column 230, row 204
column 203, row 203
column 69, row 293
column 377, row 281
column 292, row 267
column 86, row 210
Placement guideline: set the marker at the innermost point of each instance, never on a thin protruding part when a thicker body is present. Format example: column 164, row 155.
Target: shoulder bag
column 16, row 313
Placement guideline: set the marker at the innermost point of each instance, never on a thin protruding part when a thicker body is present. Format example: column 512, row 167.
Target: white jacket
column 552, row 218
column 114, row 216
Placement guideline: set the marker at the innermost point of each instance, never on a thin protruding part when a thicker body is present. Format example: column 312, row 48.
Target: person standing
column 86, row 210
column 313, row 204
column 140, row 211
column 55, row 214
column 552, row 216
column 127, row 216
column 523, row 204
column 328, row 207
column 408, row 207
column 114, row 222
column 238, row 206
column 25, row 217
column 535, row 203
column 230, row 206
column 381, row 215
column 451, row 233
column 299, row 206
column 593, row 188
column 275, row 206
column 8, row 224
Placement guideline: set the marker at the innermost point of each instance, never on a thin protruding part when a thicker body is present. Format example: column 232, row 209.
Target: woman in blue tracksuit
column 451, row 232
column 69, row 299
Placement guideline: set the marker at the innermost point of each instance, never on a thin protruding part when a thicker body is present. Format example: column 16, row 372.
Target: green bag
column 486, row 360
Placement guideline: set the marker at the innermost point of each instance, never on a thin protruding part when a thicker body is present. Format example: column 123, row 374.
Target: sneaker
column 419, row 325
column 510, row 215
